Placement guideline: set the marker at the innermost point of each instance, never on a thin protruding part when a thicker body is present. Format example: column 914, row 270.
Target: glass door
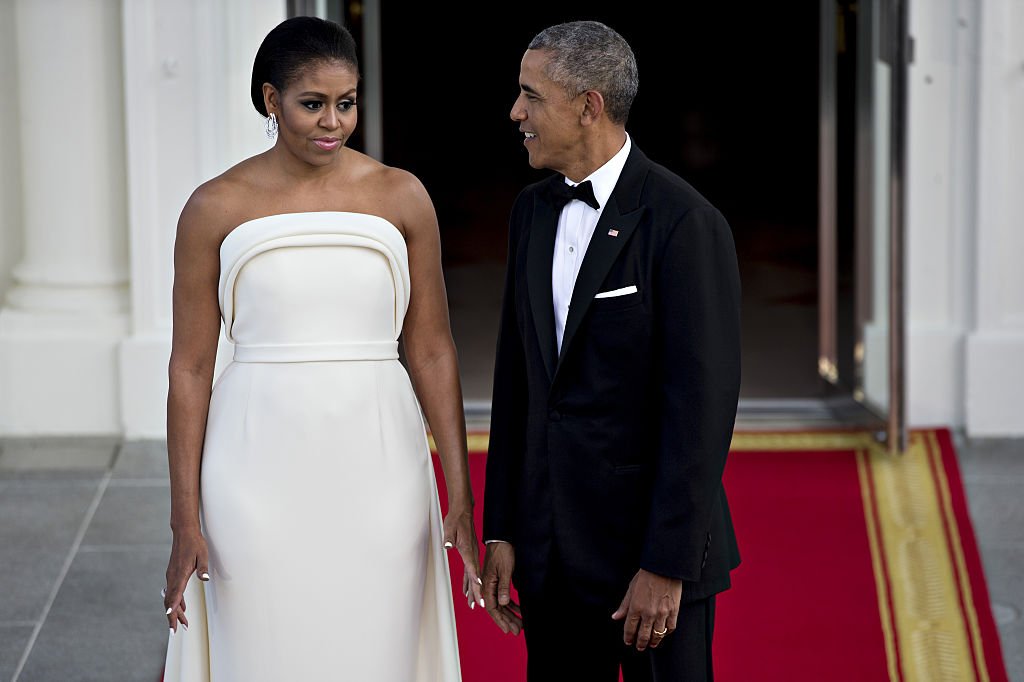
column 861, row 179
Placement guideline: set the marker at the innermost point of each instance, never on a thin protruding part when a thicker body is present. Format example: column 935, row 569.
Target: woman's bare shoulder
column 374, row 176
column 220, row 204
column 410, row 197
column 392, row 193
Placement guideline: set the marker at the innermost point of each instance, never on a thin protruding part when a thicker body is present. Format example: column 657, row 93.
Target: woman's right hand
column 188, row 555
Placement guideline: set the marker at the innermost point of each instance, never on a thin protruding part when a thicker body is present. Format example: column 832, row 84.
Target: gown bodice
column 318, row 286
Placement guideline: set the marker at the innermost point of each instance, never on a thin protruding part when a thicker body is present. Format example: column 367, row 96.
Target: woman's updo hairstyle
column 296, row 44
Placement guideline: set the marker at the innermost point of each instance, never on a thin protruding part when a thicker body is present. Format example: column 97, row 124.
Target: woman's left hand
column 459, row 532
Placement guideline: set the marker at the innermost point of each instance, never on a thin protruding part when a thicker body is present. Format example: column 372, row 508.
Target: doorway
column 727, row 100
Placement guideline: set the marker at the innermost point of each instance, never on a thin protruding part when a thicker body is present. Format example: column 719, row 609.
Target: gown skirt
column 318, row 498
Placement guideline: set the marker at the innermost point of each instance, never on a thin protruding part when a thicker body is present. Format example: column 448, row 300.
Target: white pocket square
column 617, row 292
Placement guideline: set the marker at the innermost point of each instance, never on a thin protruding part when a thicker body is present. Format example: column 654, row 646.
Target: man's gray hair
column 587, row 55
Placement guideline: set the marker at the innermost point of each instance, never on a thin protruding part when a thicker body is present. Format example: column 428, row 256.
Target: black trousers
column 569, row 641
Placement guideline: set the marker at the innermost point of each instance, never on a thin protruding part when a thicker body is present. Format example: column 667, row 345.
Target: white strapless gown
column 318, row 496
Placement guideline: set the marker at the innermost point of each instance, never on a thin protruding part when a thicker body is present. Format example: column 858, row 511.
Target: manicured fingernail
column 172, row 631
column 163, row 592
column 472, row 604
column 184, row 626
column 447, row 545
column 481, row 603
column 168, row 612
column 479, row 582
column 204, row 576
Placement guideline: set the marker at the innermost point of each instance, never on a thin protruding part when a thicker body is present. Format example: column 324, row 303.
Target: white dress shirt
column 576, row 225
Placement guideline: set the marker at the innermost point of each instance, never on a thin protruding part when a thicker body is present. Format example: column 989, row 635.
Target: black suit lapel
column 616, row 225
column 539, row 258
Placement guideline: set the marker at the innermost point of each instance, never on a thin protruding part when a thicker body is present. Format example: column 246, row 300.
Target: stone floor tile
column 997, row 510
column 107, row 622
column 90, row 453
column 27, row 577
column 13, row 639
column 142, row 459
column 1012, row 638
column 131, row 515
column 42, row 513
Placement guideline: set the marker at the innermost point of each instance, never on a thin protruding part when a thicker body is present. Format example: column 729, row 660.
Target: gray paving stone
column 1012, row 638
column 39, row 522
column 42, row 513
column 993, row 473
column 13, row 639
column 997, row 510
column 142, row 459
column 51, row 476
column 27, row 577
column 106, row 624
column 131, row 515
column 1004, row 573
column 33, row 454
column 998, row 456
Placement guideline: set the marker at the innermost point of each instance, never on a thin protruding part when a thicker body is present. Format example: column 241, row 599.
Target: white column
column 940, row 205
column 10, row 152
column 63, row 319
column 995, row 346
column 189, row 118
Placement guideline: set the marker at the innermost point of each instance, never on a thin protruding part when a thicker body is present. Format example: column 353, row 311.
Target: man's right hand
column 498, row 564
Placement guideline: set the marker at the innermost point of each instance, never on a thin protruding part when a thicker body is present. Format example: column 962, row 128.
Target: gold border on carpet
column 920, row 571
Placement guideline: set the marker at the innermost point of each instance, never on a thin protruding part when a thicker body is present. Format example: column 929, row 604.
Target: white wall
column 189, row 118
column 995, row 345
column 965, row 213
column 155, row 95
column 66, row 311
column 10, row 151
column 940, row 206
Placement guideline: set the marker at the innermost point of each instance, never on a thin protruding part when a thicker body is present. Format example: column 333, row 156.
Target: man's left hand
column 650, row 609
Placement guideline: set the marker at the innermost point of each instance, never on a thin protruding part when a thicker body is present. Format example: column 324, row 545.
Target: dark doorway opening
column 728, row 99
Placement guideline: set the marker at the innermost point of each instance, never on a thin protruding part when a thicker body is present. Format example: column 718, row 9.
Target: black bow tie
column 562, row 193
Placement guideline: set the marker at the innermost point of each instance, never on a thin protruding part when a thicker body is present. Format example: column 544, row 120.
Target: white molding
column 66, row 314
column 935, row 376
column 143, row 135
column 58, row 375
column 143, row 382
column 1000, row 240
column 187, row 71
column 73, row 204
column 10, row 151
column 994, row 374
column 995, row 382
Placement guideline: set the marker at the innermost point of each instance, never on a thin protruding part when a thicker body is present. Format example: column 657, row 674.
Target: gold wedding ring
column 661, row 633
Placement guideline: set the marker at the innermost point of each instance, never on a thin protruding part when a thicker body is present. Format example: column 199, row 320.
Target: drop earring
column 272, row 126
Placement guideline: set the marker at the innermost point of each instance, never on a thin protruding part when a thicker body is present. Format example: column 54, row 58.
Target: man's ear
column 593, row 107
column 271, row 99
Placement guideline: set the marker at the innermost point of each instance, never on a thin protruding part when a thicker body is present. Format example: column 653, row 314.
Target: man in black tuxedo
column 615, row 388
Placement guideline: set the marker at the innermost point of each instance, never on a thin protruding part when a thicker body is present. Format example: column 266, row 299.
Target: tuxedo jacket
column 608, row 456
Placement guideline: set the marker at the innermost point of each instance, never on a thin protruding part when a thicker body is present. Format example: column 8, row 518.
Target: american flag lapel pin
column 613, row 233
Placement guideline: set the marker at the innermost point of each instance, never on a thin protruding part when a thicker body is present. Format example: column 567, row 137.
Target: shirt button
column 571, row 249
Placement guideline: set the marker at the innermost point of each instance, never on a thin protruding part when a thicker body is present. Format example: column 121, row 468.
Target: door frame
column 894, row 40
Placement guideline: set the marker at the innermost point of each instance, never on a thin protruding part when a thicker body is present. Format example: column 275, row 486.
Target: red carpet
column 856, row 567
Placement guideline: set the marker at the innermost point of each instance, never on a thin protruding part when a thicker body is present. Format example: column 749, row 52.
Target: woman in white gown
column 308, row 543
